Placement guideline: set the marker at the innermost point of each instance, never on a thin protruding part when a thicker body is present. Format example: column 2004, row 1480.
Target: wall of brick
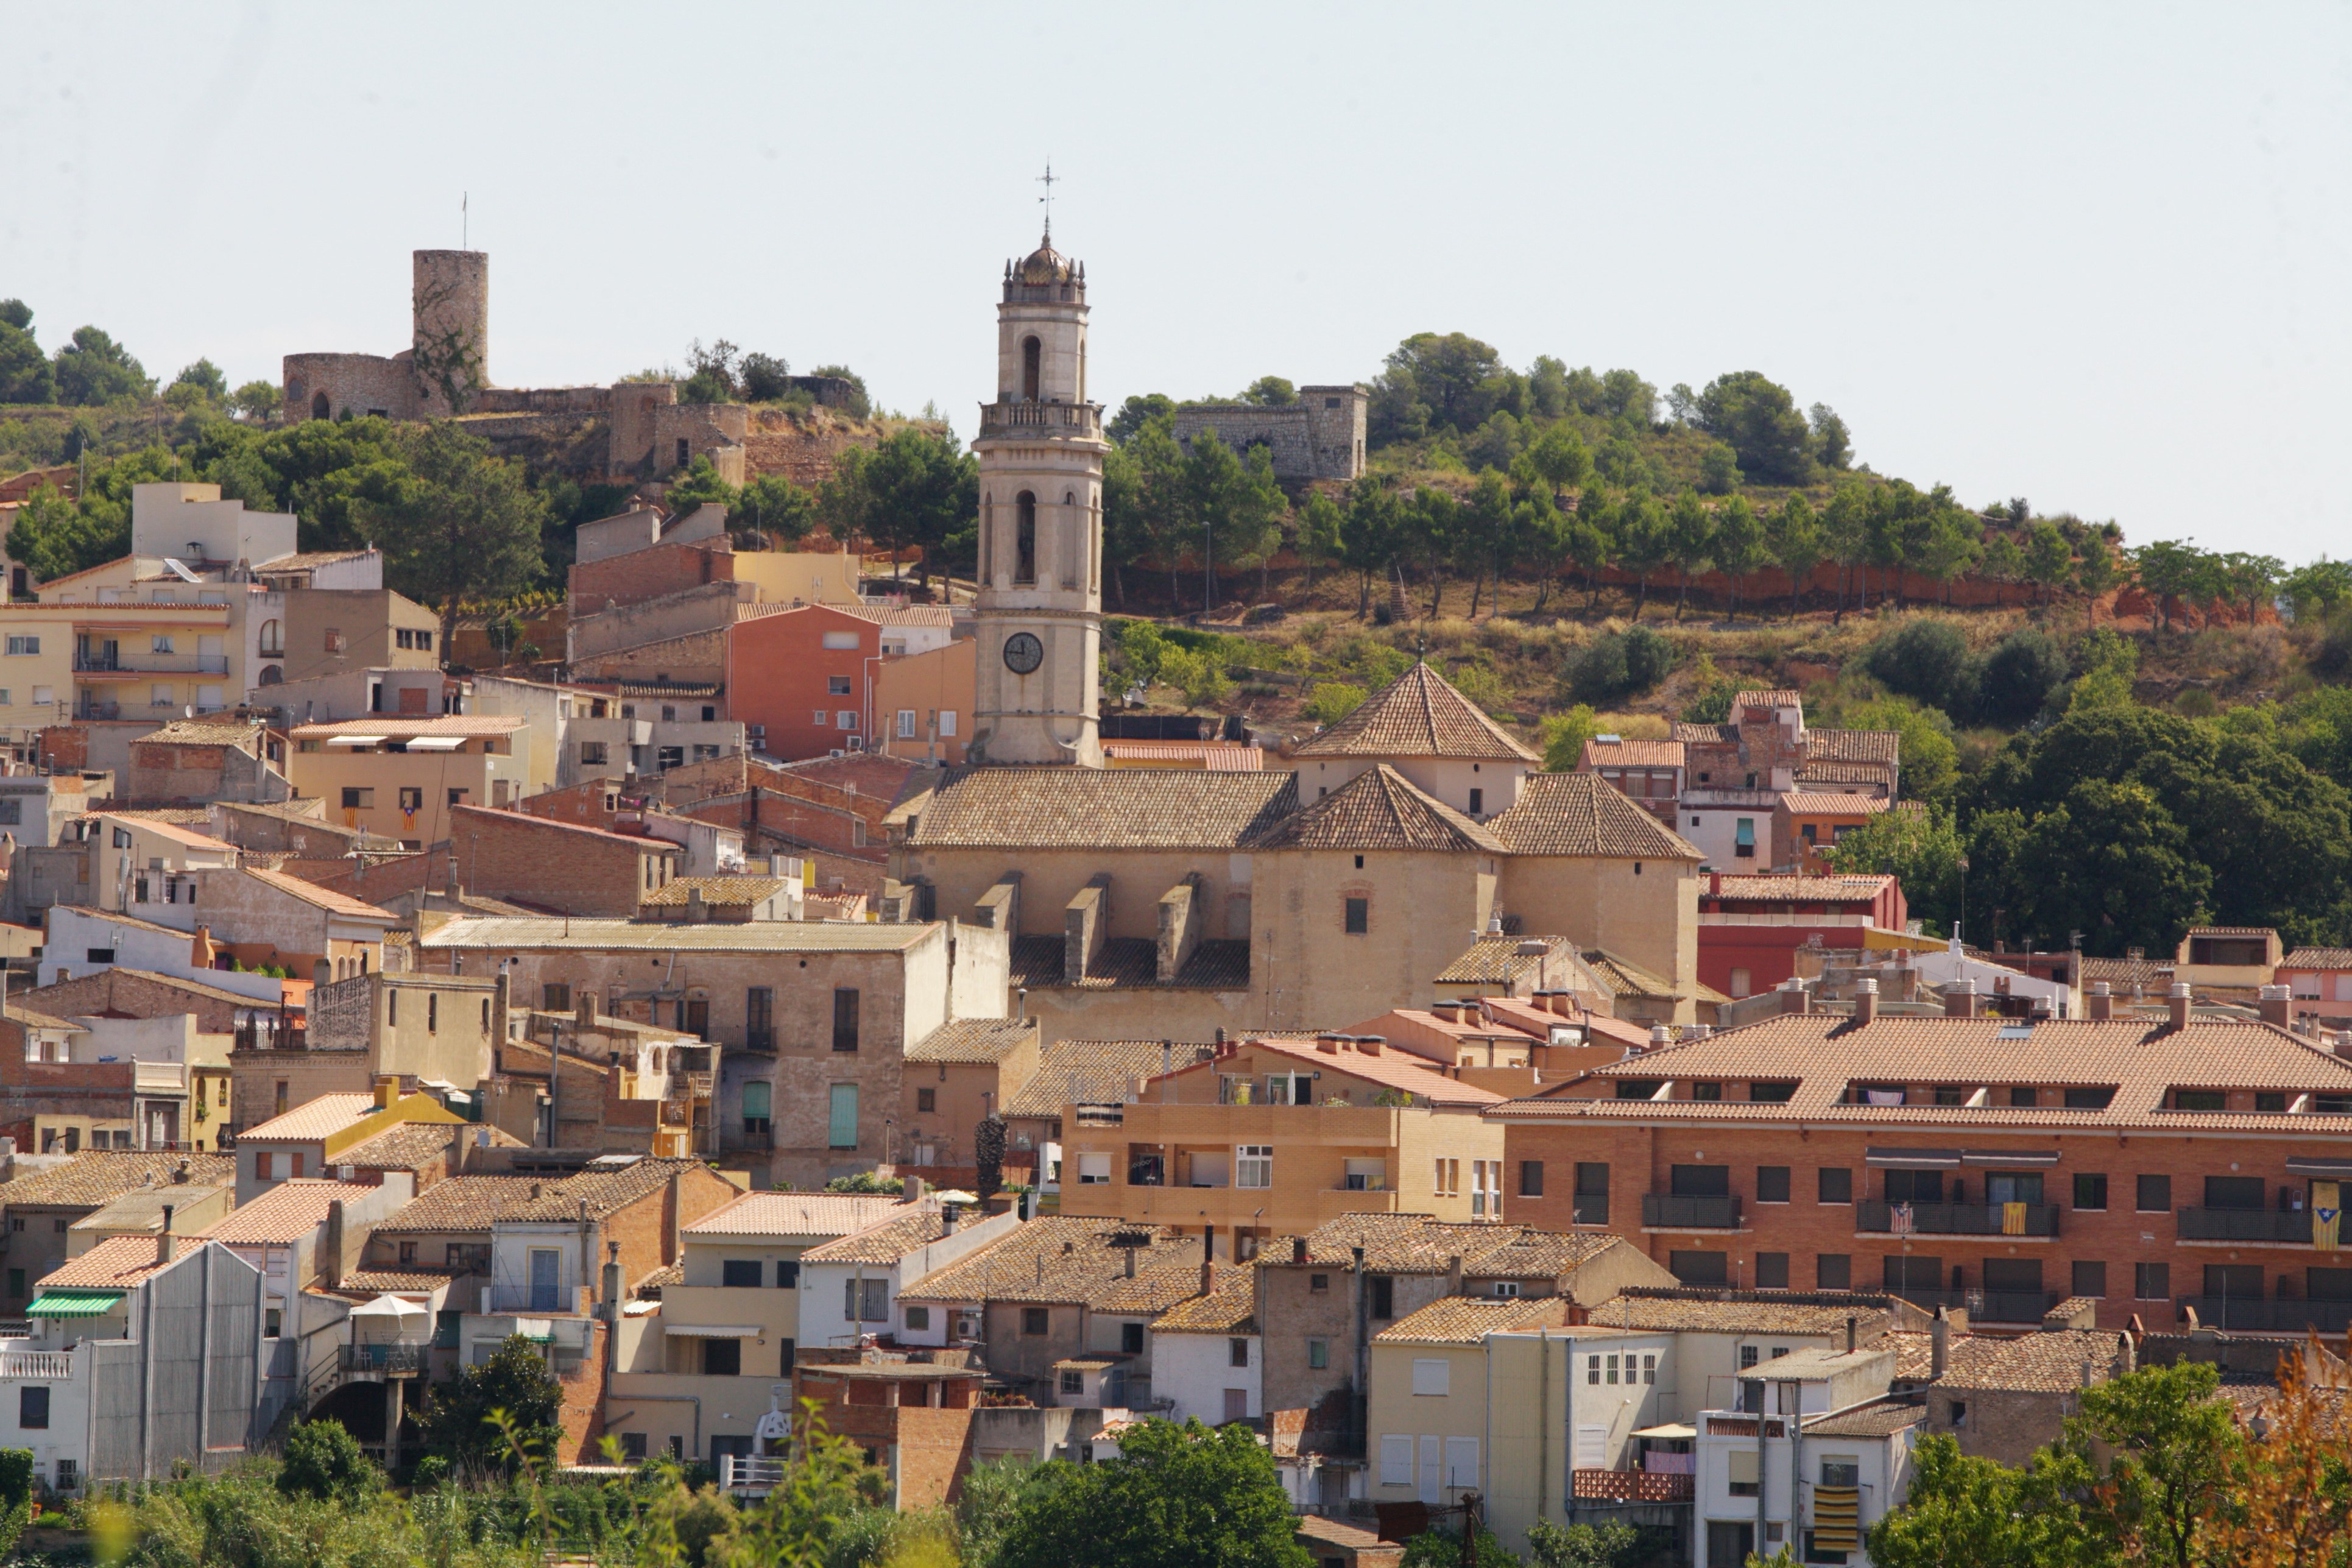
column 124, row 992
column 683, row 611
column 698, row 659
column 551, row 865
column 647, row 574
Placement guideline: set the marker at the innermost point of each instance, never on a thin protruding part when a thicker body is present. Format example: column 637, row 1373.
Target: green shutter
column 845, row 1116
column 755, row 1100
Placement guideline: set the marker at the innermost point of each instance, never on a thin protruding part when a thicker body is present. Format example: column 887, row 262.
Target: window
column 2199, row 1100
column 1396, row 1460
column 432, row 1012
column 1592, row 1205
column 926, row 1100
column 2090, row 1191
column 1707, row 1268
column 1382, row 1292
column 2152, row 1281
column 1832, row 1271
column 2090, row 1280
column 2024, row 1094
column 1073, row 1383
column 411, row 800
column 760, row 1018
column 1745, row 1479
column 1359, row 916
column 591, row 753
column 17, row 1279
column 1024, row 538
column 1447, row 1181
column 1318, row 1354
column 1704, row 1090
column 906, row 723
column 2155, row 1194
column 1318, row 1282
column 722, row 1358
column 33, row 1409
column 1237, row 1353
column 845, row 1018
column 836, row 686
column 1033, row 1320
column 1094, row 1170
column 1477, row 802
column 356, row 799
column 44, row 695
column 1836, row 1185
column 1130, row 1339
column 1771, row 1271
column 757, row 1106
column 1771, row 1184
column 842, row 1121
column 868, row 1301
column 1699, row 1181
column 1743, row 845
column 947, row 723
column 2233, row 1192
column 633, row 1446
column 1253, row 1166
column 1531, row 1178
column 2265, row 1098
column 2089, row 1099
column 19, row 646
column 1432, row 1377
column 822, row 717
column 740, row 1273
column 269, row 1323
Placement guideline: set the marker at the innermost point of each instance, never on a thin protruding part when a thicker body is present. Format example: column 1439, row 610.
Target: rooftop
column 1094, row 1072
column 395, row 727
column 1086, row 808
column 1615, row 751
column 786, row 1213
column 2318, row 958
column 1830, row 803
column 973, row 1041
column 321, row 1117
column 2050, row 1362
column 1418, row 714
column 100, row 1175
column 1584, row 813
column 1418, row 1244
column 216, row 731
column 1833, row 889
column 505, row 933
column 1467, row 1319
column 1736, row 1311
column 1879, row 1419
column 284, row 1213
column 115, row 1264
column 1070, row 1260
column 1230, row 1307
column 1827, row 1055
column 1380, row 809
column 460, row 1204
column 1387, row 1065
column 886, row 1240
column 1215, row 756
column 596, row 1194
column 720, row 892
column 326, row 898
column 175, row 832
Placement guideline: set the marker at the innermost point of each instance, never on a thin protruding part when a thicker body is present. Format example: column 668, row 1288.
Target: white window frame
column 906, row 723
column 1254, row 1161
column 947, row 723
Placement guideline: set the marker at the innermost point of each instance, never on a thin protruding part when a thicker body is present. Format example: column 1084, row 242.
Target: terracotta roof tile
column 2318, row 958
column 1827, row 1054
column 1627, row 978
column 177, row 832
column 459, row 1203
column 1737, row 1312
column 1069, row 1260
column 319, row 1118
column 1852, row 745
column 1418, row 714
column 1466, row 1320
column 1230, row 1309
column 1836, row 890
column 1880, row 1418
column 1418, row 1244
column 284, row 1213
column 602, row 1190
column 202, row 732
column 977, row 1041
column 1830, row 803
column 2230, row 930
column 1213, row 756
column 1378, row 809
column 1914, row 1352
column 1130, row 808
column 324, row 897
column 1828, row 771
column 716, row 891
column 177, row 983
column 504, row 933
column 100, row 1175
column 1091, row 1072
column 366, row 1281
column 1497, row 961
column 1389, row 1067
column 1583, row 814
column 115, row 1264
column 2050, row 1362
column 411, row 1146
column 1767, row 697
column 1602, row 751
column 398, row 728
column 884, row 1242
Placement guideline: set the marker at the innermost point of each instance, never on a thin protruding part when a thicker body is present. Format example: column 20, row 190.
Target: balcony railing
column 41, row 1367
column 2250, row 1314
column 1956, row 1219
column 1983, row 1306
column 1629, row 1486
column 2291, row 1226
column 391, row 1360
column 132, row 663
column 760, row 1040
column 1666, row 1211
column 1057, row 418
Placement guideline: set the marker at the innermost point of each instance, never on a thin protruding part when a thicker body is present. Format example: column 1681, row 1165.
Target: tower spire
column 1047, row 180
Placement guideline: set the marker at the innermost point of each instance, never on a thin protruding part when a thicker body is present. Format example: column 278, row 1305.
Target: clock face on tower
column 1023, row 653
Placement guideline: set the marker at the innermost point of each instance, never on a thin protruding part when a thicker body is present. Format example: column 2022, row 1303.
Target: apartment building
column 400, row 776
column 1280, row 1136
column 42, row 1206
column 555, row 865
column 923, row 703
column 2152, row 1166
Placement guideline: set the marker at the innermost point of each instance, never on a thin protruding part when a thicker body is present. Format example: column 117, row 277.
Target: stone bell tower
column 1041, row 451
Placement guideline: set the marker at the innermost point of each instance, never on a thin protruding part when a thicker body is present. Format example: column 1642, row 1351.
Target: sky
column 2096, row 255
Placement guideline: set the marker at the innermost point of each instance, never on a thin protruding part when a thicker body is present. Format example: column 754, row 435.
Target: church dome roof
column 1046, row 265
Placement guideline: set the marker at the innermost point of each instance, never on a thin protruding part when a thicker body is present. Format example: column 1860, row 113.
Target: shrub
column 1563, row 736
column 2018, row 677
column 1620, row 664
column 324, row 1461
column 866, row 1182
column 1928, row 661
column 1332, row 700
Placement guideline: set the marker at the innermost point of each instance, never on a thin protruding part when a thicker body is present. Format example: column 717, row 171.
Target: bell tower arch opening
column 1025, row 539
column 1031, row 358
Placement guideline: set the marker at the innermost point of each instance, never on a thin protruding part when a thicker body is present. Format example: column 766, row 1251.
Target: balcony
column 1665, row 1211
column 1628, row 1487
column 1956, row 1219
column 2253, row 1315
column 760, row 1040
column 39, row 1366
column 2290, row 1227
column 1983, row 1306
column 381, row 1359
column 1083, row 420
column 130, row 662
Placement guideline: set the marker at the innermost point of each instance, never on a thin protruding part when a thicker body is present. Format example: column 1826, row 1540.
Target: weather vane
column 1046, row 180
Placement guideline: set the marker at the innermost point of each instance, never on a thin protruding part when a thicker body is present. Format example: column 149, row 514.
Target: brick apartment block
column 2157, row 1167
column 555, row 865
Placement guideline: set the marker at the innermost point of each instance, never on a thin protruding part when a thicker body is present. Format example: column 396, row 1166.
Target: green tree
column 701, row 485
column 1270, row 392
column 2170, row 1445
column 2003, row 563
column 1484, row 538
column 2114, row 862
column 1952, row 544
column 1441, row 1547
column 1930, row 759
column 1845, row 535
column 1177, row 1497
column 1141, row 409
column 1557, row 458
column 1449, row 380
column 1920, row 848
column 860, row 403
column 1927, row 660
column 1320, row 534
column 1967, row 1512
column 324, row 1461
column 257, row 400
column 912, row 492
column 1228, row 504
column 53, row 537
column 2095, row 574
column 15, row 1496
column 462, row 524
column 2048, row 558
column 206, row 377
column 1587, row 539
column 1832, row 442
column 1760, row 420
column 2251, row 579
column 25, row 373
column 1690, row 542
column 1583, row 1545
column 771, row 507
column 1563, row 736
column 2168, row 569
column 1619, row 665
column 763, row 378
column 94, row 369
column 1793, row 535
column 1718, row 469
column 1644, row 542
column 2018, row 676
column 2314, row 590
column 2105, row 664
column 1432, row 532
column 1739, row 544
column 1332, row 700
column 515, row 1380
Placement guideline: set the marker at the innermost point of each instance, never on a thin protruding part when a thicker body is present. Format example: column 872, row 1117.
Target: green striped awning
column 72, row 1303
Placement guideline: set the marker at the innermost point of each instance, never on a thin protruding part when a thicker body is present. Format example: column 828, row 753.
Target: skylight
column 2014, row 1032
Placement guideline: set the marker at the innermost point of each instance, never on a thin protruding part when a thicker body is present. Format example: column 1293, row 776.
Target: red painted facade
column 785, row 669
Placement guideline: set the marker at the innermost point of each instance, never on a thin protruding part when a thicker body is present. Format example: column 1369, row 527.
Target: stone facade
column 1320, row 436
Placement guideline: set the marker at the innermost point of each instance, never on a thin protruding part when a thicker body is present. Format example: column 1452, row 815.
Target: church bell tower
column 1041, row 451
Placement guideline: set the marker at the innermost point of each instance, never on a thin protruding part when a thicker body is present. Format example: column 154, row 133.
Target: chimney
column 1960, row 999
column 167, row 1245
column 1454, row 1275
column 2102, row 1002
column 1660, row 1034
column 1298, row 1249
column 1939, row 1345
column 1852, row 1323
column 1208, row 1273
column 915, row 1189
column 2176, row 1003
column 585, row 1013
column 332, row 1252
column 697, row 910
column 613, row 1286
column 949, row 1214
column 1370, row 1043
column 1794, row 997
column 180, row 1175
column 2273, row 1005
column 387, row 1090
column 1865, row 1001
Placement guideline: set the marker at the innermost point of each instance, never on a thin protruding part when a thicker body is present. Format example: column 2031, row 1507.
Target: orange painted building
column 801, row 680
column 923, row 703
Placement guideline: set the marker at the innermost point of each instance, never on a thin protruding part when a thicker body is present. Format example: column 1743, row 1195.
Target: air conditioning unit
column 836, row 752
column 756, row 731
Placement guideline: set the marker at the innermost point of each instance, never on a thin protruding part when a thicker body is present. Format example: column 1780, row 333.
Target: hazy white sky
column 2097, row 256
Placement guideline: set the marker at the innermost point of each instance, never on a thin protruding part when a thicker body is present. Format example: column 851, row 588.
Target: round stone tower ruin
column 450, row 351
